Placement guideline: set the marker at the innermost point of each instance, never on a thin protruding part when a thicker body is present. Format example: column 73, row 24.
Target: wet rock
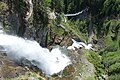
column 80, row 69
column 66, row 41
column 8, row 69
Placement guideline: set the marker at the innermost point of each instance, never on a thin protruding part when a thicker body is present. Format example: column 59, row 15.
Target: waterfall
column 18, row 49
column 80, row 45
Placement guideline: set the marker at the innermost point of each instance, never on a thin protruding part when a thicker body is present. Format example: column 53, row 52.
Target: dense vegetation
column 100, row 22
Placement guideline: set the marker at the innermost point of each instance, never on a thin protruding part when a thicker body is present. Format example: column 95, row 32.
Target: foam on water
column 18, row 49
column 80, row 44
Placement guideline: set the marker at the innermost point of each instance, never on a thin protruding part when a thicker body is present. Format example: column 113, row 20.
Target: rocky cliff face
column 49, row 26
column 80, row 69
column 8, row 68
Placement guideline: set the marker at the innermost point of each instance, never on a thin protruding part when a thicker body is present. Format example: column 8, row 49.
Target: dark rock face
column 8, row 69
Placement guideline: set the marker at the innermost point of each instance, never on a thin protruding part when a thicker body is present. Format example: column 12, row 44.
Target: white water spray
column 80, row 44
column 18, row 49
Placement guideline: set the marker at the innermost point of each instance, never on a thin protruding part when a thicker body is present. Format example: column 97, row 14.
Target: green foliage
column 111, row 55
column 57, row 5
column 95, row 59
column 114, row 68
column 20, row 6
column 77, row 28
column 57, row 30
column 28, row 76
column 111, row 7
column 112, row 38
column 69, row 6
column 46, row 3
column 74, row 29
column 111, row 61
column 3, row 8
column 114, row 77
column 81, row 25
column 90, row 78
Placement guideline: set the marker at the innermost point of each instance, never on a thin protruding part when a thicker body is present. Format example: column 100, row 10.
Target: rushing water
column 19, row 49
column 80, row 44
